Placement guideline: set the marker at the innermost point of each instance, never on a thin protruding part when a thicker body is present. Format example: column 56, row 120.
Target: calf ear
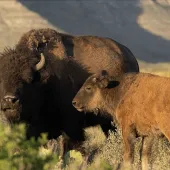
column 107, row 83
column 103, row 79
column 103, row 83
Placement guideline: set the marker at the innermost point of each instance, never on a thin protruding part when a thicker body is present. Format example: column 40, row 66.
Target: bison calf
column 139, row 102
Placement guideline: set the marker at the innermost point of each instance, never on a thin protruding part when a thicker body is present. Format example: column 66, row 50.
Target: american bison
column 140, row 103
column 43, row 97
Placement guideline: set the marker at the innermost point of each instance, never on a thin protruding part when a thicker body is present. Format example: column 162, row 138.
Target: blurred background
column 141, row 25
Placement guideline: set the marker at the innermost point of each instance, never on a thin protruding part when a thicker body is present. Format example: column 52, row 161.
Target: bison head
column 93, row 92
column 47, row 40
column 18, row 71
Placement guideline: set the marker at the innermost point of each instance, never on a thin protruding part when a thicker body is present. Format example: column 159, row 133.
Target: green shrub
column 17, row 153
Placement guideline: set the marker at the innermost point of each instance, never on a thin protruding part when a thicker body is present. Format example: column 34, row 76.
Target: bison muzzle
column 10, row 106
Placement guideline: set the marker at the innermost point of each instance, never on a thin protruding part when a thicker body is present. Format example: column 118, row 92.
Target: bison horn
column 41, row 63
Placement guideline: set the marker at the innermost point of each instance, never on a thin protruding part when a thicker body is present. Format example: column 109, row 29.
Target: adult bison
column 45, row 94
column 23, row 91
column 140, row 103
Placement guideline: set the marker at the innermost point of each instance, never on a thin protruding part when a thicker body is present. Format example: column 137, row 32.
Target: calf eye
column 88, row 88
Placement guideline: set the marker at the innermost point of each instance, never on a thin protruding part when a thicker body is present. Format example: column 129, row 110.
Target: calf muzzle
column 74, row 103
column 78, row 106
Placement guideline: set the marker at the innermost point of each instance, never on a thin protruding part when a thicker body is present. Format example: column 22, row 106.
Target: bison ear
column 107, row 83
column 103, row 83
column 103, row 79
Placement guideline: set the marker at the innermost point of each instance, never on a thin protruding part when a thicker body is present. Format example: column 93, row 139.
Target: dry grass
column 106, row 154
column 111, row 150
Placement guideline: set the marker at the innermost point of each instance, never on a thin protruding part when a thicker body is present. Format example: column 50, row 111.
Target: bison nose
column 74, row 103
column 11, row 99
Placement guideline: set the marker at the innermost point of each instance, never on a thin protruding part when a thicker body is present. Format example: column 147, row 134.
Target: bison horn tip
column 41, row 63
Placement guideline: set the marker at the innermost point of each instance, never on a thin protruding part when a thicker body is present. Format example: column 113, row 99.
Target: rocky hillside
column 142, row 25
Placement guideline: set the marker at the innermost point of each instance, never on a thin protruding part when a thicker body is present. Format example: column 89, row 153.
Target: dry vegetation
column 111, row 150
column 106, row 154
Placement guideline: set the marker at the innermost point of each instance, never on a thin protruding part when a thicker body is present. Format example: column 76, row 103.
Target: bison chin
column 86, row 109
column 96, row 111
column 80, row 109
column 12, row 115
column 11, row 108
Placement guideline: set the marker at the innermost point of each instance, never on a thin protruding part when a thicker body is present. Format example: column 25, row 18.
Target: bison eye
column 88, row 88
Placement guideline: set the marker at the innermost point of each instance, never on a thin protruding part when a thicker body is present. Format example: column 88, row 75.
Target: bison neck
column 110, row 100
column 111, row 97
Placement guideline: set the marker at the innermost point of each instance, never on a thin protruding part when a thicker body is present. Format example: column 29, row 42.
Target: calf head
column 89, row 97
column 18, row 70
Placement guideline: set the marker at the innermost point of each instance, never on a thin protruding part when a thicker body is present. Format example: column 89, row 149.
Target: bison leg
column 146, row 150
column 129, row 136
